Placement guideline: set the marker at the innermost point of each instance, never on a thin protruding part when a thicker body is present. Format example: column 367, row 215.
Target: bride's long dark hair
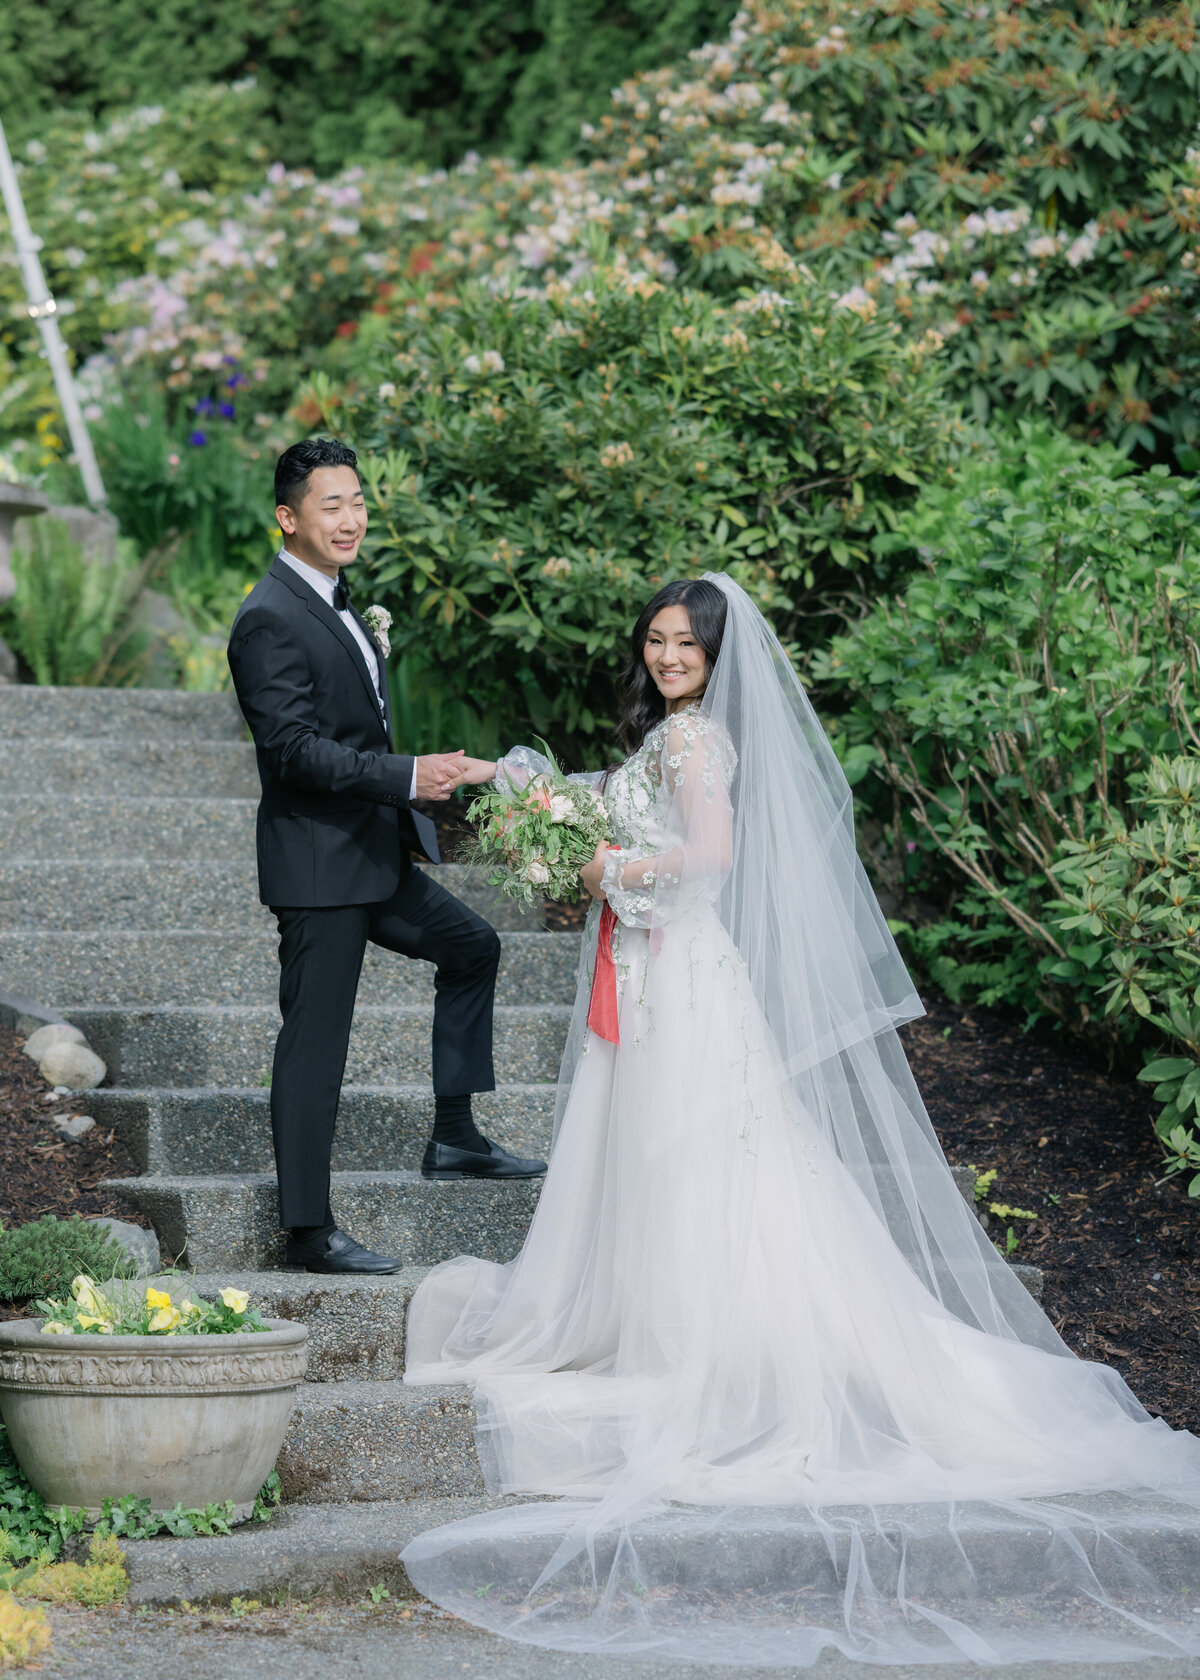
column 641, row 704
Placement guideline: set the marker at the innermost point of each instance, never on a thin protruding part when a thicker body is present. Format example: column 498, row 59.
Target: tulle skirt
column 750, row 1428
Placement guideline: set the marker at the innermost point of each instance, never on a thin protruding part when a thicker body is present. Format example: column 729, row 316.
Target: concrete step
column 92, row 825
column 76, row 896
column 209, row 1223
column 380, row 1440
column 338, row 1550
column 232, row 1220
column 47, row 714
column 356, row 1325
column 226, row 967
column 344, row 1549
column 379, row 1128
column 81, row 764
column 233, row 1045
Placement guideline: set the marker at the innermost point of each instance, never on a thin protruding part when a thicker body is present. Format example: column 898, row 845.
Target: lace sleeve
column 520, row 765
column 696, row 770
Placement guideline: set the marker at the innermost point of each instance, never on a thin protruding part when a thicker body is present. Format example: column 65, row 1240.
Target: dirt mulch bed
column 40, row 1170
column 1075, row 1145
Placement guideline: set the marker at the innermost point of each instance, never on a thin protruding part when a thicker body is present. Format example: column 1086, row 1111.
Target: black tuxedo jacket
column 334, row 824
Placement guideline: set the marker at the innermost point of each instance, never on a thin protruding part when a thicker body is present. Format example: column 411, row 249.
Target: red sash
column 602, row 1007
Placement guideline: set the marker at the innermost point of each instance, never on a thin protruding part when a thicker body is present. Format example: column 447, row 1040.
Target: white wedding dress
column 774, row 1386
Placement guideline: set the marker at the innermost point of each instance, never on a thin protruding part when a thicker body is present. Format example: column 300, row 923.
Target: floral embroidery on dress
column 641, row 799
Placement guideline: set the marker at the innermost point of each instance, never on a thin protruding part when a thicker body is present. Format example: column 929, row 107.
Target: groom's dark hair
column 297, row 464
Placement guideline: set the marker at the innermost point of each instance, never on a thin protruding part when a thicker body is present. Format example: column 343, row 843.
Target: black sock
column 453, row 1124
column 312, row 1233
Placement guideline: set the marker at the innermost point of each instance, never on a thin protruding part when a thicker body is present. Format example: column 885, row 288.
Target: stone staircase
column 128, row 903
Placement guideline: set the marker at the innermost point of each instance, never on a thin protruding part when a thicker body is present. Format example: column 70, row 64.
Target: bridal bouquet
column 535, row 839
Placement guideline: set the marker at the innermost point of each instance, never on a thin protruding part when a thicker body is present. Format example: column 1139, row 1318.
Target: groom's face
column 328, row 527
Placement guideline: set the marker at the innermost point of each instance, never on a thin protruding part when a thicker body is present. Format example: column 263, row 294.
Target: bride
column 768, row 1382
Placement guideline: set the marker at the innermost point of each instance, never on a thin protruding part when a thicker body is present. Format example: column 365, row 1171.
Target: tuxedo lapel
column 325, row 615
column 383, row 682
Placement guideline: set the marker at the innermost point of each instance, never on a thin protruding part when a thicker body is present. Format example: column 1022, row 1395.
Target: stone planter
column 179, row 1420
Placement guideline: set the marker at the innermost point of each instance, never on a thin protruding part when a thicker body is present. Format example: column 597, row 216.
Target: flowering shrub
column 999, row 713
column 1017, row 183
column 536, row 466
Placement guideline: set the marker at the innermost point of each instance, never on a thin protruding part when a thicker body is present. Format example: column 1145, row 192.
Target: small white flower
column 491, row 361
column 379, row 621
column 561, row 808
column 387, row 391
column 537, row 872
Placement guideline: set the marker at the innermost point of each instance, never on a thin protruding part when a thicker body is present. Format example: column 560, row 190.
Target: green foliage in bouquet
column 1004, row 706
column 536, row 467
column 534, row 839
column 1135, row 892
column 41, row 1258
column 71, row 619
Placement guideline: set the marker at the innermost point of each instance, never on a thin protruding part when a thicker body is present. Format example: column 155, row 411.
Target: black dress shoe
column 442, row 1160
column 337, row 1253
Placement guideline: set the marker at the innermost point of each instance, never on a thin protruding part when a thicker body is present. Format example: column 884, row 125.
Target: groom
column 335, row 832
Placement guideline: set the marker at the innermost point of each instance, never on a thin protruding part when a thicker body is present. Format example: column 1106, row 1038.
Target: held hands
column 438, row 774
column 592, row 873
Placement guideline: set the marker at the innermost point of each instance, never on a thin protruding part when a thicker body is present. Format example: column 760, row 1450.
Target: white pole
column 44, row 311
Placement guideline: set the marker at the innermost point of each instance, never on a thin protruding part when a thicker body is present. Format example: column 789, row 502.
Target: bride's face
column 674, row 658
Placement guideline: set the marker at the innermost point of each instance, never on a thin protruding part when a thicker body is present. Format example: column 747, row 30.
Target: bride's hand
column 593, row 873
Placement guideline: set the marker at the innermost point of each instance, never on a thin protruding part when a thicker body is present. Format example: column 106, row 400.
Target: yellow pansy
column 157, row 1298
column 54, row 1328
column 187, row 1306
column 90, row 1298
column 166, row 1318
column 236, row 1300
column 87, row 1321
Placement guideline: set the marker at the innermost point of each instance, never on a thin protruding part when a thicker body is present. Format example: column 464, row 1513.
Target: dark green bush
column 424, row 81
column 1003, row 708
column 537, row 466
column 1134, row 891
column 42, row 1258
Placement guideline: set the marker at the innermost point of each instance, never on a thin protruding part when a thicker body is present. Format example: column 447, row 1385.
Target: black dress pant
column 320, row 955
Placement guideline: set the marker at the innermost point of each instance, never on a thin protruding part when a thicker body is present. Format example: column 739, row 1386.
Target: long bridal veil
column 808, row 1405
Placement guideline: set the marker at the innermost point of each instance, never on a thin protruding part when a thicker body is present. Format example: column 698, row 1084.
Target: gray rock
column 8, row 663
column 54, row 1032
column 72, row 1065
column 140, row 1245
column 157, row 617
column 78, row 1126
column 94, row 529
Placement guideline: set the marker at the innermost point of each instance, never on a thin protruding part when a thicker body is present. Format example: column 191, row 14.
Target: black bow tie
column 341, row 594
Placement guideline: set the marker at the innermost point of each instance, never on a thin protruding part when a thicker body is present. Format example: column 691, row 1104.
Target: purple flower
column 236, row 379
column 204, row 406
column 910, row 845
column 230, row 361
column 225, row 410
column 198, row 439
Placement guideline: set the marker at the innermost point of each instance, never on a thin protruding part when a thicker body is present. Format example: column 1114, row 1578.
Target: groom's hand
column 438, row 774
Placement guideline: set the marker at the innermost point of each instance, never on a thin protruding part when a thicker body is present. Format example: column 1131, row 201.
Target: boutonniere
column 379, row 622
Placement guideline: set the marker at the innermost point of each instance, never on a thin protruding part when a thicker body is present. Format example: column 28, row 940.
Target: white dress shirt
column 324, row 586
